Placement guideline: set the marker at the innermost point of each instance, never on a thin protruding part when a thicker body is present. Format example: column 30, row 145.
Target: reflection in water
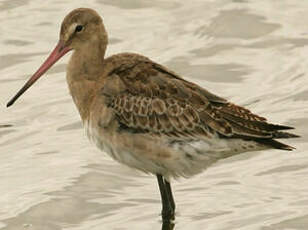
column 135, row 4
column 5, row 126
column 13, row 59
column 17, row 42
column 230, row 24
column 11, row 4
column 52, row 178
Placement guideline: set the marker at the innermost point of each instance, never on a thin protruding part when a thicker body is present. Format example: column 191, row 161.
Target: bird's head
column 80, row 29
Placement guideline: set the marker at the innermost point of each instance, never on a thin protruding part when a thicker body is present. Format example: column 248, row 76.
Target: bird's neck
column 87, row 62
column 83, row 72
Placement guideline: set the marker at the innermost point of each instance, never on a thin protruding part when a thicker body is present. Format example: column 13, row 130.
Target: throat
column 83, row 73
column 87, row 63
column 82, row 92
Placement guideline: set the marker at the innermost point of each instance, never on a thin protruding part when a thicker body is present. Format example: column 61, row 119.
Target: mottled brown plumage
column 151, row 99
column 146, row 116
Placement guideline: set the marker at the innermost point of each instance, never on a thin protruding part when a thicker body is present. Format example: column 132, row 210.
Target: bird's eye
column 78, row 28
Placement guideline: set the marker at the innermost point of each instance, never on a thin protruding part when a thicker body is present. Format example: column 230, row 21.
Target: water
column 252, row 52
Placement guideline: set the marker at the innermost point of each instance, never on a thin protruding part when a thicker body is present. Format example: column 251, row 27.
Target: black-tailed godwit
column 148, row 117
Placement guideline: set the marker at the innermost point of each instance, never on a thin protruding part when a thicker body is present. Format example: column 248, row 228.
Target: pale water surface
column 254, row 53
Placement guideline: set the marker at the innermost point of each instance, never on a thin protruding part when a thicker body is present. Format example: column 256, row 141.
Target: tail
column 276, row 144
column 249, row 126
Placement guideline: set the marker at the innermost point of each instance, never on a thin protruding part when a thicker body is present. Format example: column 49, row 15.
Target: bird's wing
column 146, row 97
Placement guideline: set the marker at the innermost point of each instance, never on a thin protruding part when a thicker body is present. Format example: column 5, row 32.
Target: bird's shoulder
column 137, row 72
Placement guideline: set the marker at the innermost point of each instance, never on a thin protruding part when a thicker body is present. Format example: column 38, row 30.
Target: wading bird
column 148, row 117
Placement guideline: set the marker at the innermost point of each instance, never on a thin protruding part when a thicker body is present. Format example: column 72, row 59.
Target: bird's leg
column 167, row 225
column 170, row 196
column 167, row 211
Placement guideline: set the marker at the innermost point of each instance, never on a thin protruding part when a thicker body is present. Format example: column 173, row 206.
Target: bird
column 148, row 117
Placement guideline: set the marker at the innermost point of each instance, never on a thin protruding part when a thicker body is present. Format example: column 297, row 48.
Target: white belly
column 187, row 157
column 121, row 155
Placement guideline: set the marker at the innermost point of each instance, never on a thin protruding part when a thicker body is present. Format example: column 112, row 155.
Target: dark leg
column 167, row 212
column 170, row 196
column 167, row 225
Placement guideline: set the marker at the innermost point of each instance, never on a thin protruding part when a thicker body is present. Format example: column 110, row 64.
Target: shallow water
column 252, row 52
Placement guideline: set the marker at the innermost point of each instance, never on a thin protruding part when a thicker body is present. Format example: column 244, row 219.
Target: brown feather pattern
column 158, row 101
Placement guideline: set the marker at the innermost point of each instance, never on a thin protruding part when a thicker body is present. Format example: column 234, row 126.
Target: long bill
column 59, row 51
